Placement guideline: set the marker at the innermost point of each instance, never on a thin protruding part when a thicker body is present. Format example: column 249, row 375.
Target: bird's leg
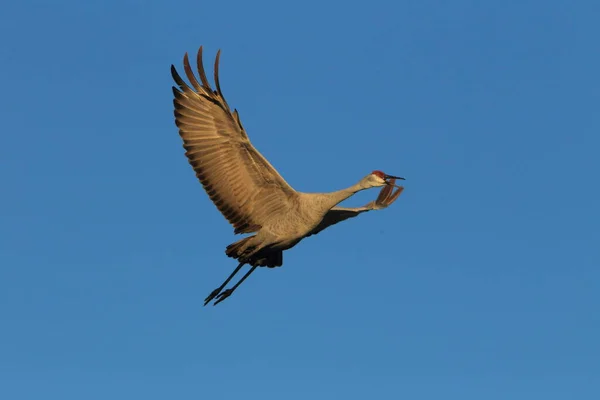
column 215, row 292
column 243, row 259
column 226, row 293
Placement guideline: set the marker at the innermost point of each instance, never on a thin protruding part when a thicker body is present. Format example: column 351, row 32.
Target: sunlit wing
column 238, row 179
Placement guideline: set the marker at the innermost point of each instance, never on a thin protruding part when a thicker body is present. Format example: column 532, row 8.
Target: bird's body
column 300, row 214
column 246, row 188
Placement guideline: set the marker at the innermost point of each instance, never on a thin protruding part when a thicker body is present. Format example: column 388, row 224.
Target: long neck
column 329, row 200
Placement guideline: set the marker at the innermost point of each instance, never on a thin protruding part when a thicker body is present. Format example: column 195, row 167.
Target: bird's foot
column 223, row 295
column 212, row 295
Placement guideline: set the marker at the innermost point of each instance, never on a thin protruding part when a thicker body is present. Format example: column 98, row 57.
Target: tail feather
column 233, row 250
column 269, row 259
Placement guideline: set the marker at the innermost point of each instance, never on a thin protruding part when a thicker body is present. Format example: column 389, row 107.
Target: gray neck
column 332, row 199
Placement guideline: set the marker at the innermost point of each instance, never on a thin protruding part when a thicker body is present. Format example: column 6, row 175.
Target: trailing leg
column 226, row 293
column 215, row 292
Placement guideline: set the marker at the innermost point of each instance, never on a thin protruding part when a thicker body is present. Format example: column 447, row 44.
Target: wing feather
column 201, row 72
column 238, row 179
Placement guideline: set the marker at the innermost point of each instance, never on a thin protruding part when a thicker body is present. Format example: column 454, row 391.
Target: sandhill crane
column 246, row 188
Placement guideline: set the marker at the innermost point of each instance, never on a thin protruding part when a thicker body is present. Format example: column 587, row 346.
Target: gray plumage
column 245, row 187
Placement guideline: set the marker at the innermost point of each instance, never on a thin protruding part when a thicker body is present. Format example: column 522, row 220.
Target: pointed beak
column 386, row 177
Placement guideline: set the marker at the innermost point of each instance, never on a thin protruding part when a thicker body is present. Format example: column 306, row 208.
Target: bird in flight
column 245, row 187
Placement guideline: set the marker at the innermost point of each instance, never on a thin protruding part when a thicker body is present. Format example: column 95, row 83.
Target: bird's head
column 378, row 178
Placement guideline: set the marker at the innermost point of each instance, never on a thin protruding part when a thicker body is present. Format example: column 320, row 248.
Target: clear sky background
column 480, row 282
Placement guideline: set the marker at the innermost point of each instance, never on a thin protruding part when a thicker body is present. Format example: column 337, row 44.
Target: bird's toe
column 212, row 295
column 223, row 295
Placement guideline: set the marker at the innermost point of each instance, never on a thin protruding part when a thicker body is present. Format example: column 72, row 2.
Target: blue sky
column 481, row 282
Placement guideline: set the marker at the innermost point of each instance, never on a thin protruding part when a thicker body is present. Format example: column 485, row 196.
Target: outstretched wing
column 339, row 214
column 238, row 179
